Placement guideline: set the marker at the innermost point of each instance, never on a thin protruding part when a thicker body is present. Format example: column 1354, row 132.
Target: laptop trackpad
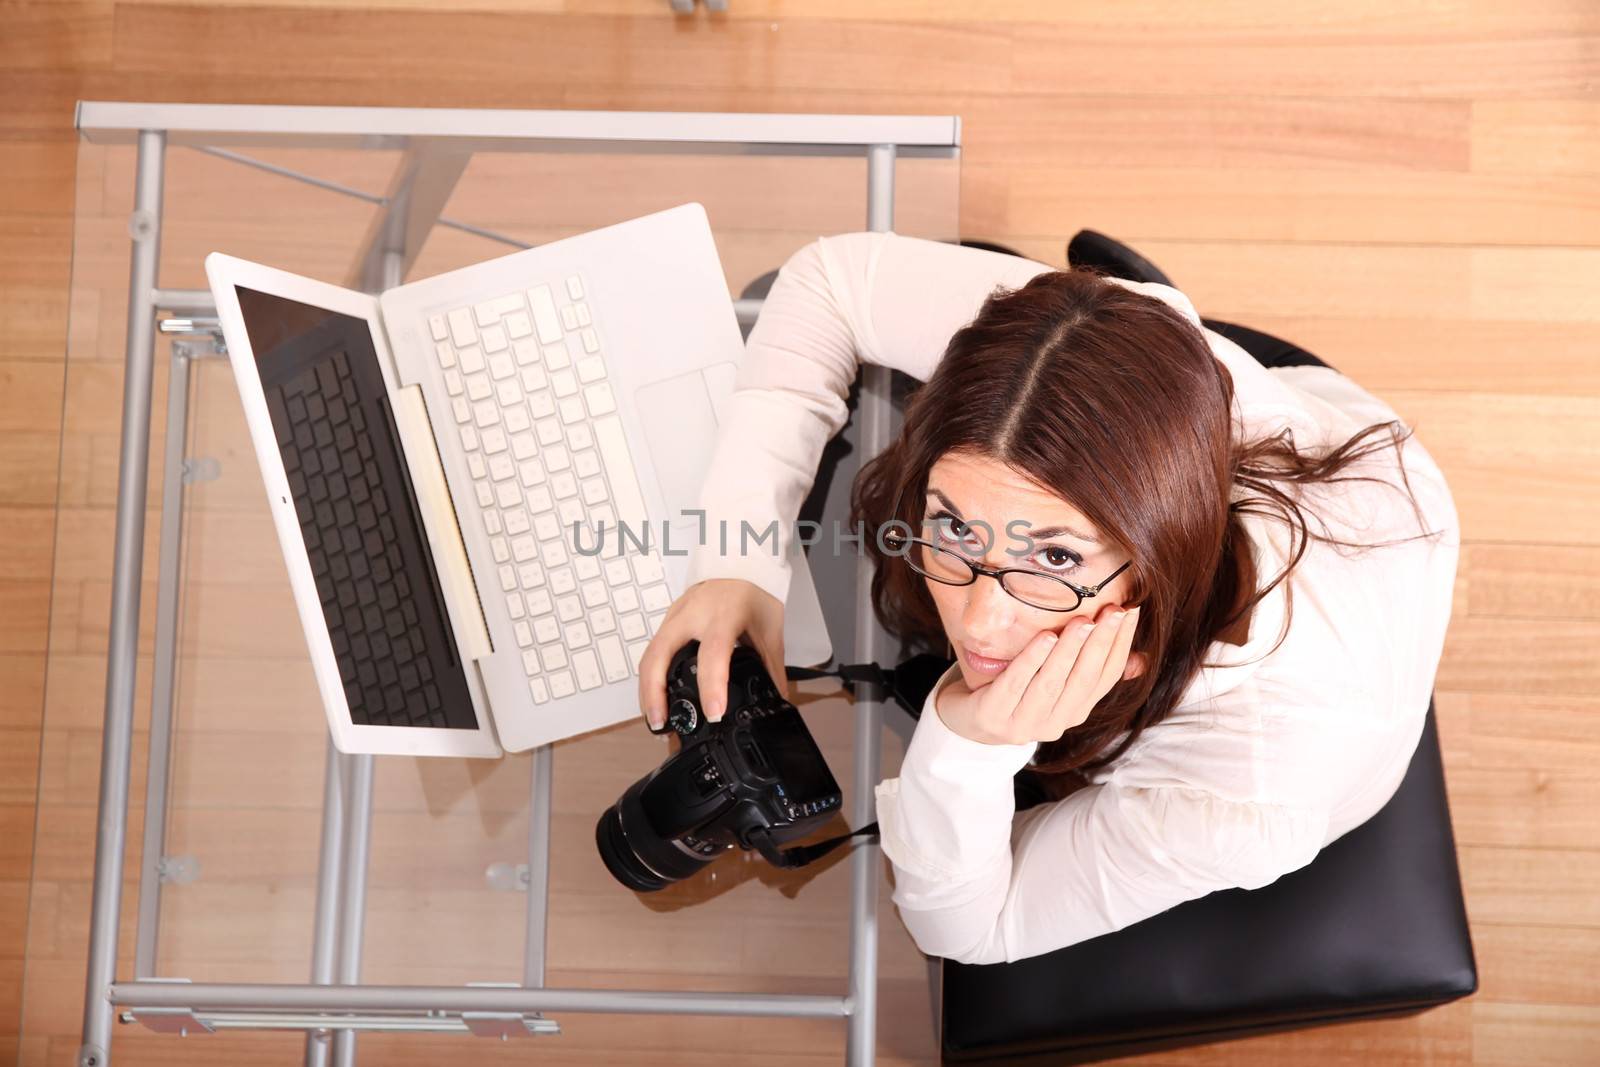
column 680, row 425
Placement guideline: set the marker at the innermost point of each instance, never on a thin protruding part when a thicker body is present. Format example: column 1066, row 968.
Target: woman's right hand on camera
column 716, row 612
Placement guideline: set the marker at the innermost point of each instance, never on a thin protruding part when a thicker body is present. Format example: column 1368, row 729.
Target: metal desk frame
column 333, row 1006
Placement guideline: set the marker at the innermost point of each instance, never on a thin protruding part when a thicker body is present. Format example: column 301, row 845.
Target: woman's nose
column 989, row 608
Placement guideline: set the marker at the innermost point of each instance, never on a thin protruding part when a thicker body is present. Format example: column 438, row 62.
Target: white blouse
column 1266, row 759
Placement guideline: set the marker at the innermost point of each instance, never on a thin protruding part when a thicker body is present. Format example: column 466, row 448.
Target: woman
column 1266, row 567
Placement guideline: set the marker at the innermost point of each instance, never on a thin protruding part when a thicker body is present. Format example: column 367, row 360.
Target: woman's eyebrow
column 1048, row 531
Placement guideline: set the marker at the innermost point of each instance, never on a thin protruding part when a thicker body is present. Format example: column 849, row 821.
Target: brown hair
column 1112, row 400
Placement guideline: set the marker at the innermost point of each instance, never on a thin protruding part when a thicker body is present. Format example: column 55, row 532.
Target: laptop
column 483, row 482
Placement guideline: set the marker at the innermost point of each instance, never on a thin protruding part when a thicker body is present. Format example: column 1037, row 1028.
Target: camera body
column 755, row 779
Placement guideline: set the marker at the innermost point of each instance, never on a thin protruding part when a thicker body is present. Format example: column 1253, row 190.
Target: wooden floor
column 1410, row 189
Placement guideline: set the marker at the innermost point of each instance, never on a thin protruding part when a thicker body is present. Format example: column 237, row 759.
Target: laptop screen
column 358, row 515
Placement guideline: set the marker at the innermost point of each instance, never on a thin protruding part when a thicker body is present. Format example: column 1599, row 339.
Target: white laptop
column 427, row 453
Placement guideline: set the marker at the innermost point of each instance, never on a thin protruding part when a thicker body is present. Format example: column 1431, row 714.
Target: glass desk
column 238, row 888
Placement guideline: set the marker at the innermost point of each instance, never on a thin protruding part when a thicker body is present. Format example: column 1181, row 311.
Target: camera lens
column 637, row 856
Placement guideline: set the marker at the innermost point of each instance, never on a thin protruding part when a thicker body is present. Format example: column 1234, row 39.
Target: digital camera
column 755, row 779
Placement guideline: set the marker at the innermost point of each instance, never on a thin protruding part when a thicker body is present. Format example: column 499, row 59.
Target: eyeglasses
column 1034, row 588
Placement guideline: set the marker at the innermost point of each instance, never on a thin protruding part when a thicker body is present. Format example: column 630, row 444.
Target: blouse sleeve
column 976, row 882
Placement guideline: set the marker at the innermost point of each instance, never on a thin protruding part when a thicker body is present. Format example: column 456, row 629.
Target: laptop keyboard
column 533, row 406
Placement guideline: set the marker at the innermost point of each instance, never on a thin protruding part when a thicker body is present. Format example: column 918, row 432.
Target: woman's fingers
column 1104, row 655
column 1044, row 690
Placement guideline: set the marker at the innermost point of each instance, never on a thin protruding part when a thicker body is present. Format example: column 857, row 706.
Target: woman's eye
column 1059, row 560
column 949, row 524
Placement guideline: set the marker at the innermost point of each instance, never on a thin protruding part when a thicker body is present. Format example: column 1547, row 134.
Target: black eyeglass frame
column 1084, row 592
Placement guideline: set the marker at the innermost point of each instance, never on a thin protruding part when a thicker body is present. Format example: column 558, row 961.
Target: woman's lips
column 982, row 664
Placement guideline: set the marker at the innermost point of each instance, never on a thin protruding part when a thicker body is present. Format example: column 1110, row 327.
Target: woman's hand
column 1052, row 685
column 717, row 612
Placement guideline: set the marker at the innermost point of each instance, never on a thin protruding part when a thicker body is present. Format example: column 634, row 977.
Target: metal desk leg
column 122, row 646
column 353, row 891
column 538, row 866
column 871, row 643
column 169, row 583
column 330, row 861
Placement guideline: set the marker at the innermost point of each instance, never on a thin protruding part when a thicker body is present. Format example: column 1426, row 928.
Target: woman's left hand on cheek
column 1050, row 688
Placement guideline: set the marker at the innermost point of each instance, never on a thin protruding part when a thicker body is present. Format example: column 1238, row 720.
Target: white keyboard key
column 501, row 367
column 532, row 575
column 636, row 653
column 556, row 357
column 546, row 629
column 517, row 325
column 514, row 606
column 574, row 287
column 501, row 467
column 526, row 352
column 576, row 635
column 546, row 526
column 479, row 387
column 612, row 658
column 569, row 317
column 571, row 410
column 534, row 379
column 562, row 581
column 471, row 360
column 570, row 512
column 556, row 458
column 656, row 598
column 655, row 623
column 523, row 549
column 516, row 521
column 568, row 609
column 562, row 685
column 494, row 439
column 452, row 383
column 524, row 634
column 626, row 598
column 616, row 571
column 554, row 657
column 501, row 550
column 633, row 627
column 505, row 305
column 461, row 331
column 539, row 603
column 591, row 342
column 508, row 578
column 487, row 313
column 591, row 369
column 508, row 394
column 594, row 594
column 544, row 314
column 539, row 500
column 485, row 413
column 602, row 620
column 517, row 421
column 620, row 469
column 446, row 354
column 587, row 567
column 543, row 404
column 491, row 519
column 562, row 482
column 587, row 670
column 437, row 327
column 530, row 662
column 564, row 382
column 469, row 437
column 583, row 314
column 540, row 691
column 647, row 569
column 600, row 399
column 476, row 466
column 579, row 437
column 522, row 446
column 554, row 552
column 532, row 471
column 594, row 490
column 462, row 409
column 549, row 430
column 508, row 494
column 494, row 339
